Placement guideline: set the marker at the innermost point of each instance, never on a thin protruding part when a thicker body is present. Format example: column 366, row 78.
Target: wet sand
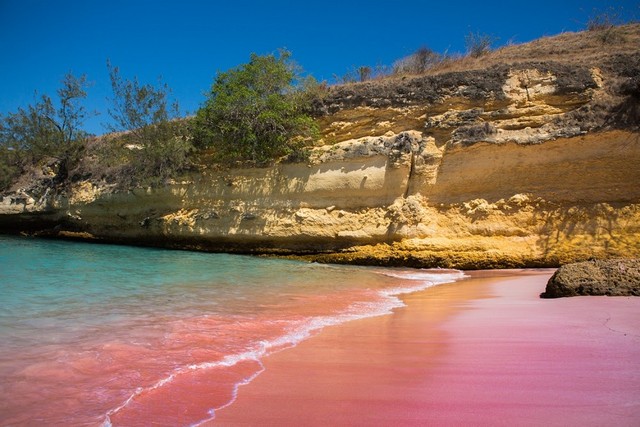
column 482, row 351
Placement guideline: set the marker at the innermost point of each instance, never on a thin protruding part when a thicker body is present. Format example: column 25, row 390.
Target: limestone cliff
column 522, row 162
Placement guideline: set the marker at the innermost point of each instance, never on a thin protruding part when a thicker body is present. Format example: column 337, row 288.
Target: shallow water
column 102, row 334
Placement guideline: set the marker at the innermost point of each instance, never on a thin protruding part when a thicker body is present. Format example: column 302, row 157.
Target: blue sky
column 186, row 42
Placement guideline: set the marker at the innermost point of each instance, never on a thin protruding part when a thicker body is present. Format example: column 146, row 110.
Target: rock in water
column 615, row 277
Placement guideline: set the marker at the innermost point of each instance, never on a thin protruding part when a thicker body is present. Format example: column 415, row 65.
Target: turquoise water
column 100, row 334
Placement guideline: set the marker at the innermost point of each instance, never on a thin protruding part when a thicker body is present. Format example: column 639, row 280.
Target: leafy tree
column 257, row 111
column 9, row 167
column 156, row 141
column 43, row 131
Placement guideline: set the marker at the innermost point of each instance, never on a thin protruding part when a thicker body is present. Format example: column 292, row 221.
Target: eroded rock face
column 523, row 164
column 526, row 103
column 393, row 200
column 616, row 277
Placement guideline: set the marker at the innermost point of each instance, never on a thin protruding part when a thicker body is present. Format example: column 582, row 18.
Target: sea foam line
column 305, row 329
column 234, row 395
column 227, row 361
column 426, row 279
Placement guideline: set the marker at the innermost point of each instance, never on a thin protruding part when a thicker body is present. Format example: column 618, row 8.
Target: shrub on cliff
column 257, row 111
column 41, row 130
column 9, row 167
column 478, row 44
column 154, row 143
column 418, row 62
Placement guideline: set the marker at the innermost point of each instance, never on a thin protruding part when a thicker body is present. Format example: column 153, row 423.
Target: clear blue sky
column 186, row 42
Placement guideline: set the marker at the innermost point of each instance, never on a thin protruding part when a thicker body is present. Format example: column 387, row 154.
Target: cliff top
column 614, row 50
column 592, row 75
column 558, row 86
column 589, row 48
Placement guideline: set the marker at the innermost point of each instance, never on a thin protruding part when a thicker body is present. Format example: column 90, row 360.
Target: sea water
column 113, row 335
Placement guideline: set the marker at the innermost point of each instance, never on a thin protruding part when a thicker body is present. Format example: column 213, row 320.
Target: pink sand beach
column 482, row 351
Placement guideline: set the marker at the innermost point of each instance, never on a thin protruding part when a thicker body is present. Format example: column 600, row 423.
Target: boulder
column 614, row 277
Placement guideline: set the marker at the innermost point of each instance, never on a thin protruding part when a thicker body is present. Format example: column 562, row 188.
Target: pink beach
column 482, row 351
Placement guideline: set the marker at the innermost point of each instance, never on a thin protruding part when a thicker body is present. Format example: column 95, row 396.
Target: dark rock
column 615, row 277
column 477, row 86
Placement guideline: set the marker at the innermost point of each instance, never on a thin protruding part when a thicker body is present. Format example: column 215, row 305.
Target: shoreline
column 385, row 255
column 484, row 350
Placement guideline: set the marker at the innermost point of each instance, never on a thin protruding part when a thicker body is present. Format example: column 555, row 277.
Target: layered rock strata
column 528, row 164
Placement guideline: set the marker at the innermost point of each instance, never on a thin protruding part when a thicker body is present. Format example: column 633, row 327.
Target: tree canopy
column 42, row 130
column 157, row 140
column 257, row 111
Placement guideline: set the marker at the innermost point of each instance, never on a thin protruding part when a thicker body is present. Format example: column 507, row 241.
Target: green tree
column 154, row 138
column 257, row 111
column 9, row 167
column 43, row 131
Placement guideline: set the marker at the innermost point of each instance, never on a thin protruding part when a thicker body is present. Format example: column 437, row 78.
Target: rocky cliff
column 517, row 161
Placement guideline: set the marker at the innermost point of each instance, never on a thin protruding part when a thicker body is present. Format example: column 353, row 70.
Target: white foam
column 227, row 361
column 383, row 303
column 432, row 276
column 424, row 278
column 234, row 396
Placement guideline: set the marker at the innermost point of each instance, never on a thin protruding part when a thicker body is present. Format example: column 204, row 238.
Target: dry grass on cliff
column 586, row 47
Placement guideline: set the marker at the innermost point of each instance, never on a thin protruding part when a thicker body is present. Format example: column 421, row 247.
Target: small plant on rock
column 606, row 27
column 478, row 44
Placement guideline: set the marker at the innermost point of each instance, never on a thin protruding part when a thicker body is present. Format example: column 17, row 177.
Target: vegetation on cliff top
column 154, row 144
column 44, row 130
column 255, row 113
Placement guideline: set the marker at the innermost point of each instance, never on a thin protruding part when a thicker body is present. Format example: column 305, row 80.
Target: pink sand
column 484, row 351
